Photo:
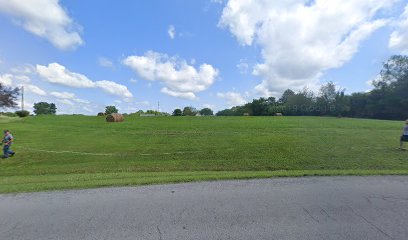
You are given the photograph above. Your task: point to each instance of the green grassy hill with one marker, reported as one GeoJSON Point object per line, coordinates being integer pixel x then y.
{"type": "Point", "coordinates": [59, 152]}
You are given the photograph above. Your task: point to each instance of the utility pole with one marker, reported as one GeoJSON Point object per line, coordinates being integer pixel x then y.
{"type": "Point", "coordinates": [22, 98]}
{"type": "Point", "coordinates": [158, 107]}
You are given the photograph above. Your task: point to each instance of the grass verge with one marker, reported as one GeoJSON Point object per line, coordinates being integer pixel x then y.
{"type": "Point", "coordinates": [14, 184]}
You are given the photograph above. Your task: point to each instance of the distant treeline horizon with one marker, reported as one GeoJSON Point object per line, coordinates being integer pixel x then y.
{"type": "Point", "coordinates": [388, 100]}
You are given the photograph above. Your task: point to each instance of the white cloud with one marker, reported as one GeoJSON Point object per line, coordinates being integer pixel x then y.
{"type": "Point", "coordinates": [68, 98]}
{"type": "Point", "coordinates": [63, 95]}
{"type": "Point", "coordinates": [104, 62]}
{"type": "Point", "coordinates": [34, 89]}
{"type": "Point", "coordinates": [6, 79]}
{"type": "Point", "coordinates": [218, 1]}
{"type": "Point", "coordinates": [399, 37]}
{"type": "Point", "coordinates": [56, 73]}
{"type": "Point", "coordinates": [180, 79]}
{"type": "Point", "coordinates": [26, 69]}
{"type": "Point", "coordinates": [185, 95]}
{"type": "Point", "coordinates": [65, 101]}
{"type": "Point", "coordinates": [46, 19]}
{"type": "Point", "coordinates": [83, 101]}
{"type": "Point", "coordinates": [211, 106]}
{"type": "Point", "coordinates": [114, 88]}
{"type": "Point", "coordinates": [11, 80]}
{"type": "Point", "coordinates": [171, 31]}
{"type": "Point", "coordinates": [243, 66]}
{"type": "Point", "coordinates": [143, 103]}
{"type": "Point", "coordinates": [232, 98]}
{"type": "Point", "coordinates": [301, 39]}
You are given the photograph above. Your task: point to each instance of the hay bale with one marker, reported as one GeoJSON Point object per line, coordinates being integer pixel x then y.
{"type": "Point", "coordinates": [278, 114]}
{"type": "Point", "coordinates": [115, 117]}
{"type": "Point", "coordinates": [101, 114]}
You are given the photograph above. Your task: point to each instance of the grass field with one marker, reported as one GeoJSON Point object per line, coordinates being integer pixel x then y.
{"type": "Point", "coordinates": [63, 152]}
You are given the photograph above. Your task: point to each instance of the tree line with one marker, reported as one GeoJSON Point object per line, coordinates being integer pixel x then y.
{"type": "Point", "coordinates": [388, 99]}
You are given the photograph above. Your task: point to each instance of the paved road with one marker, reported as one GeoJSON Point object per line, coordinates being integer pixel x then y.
{"type": "Point", "coordinates": [290, 208]}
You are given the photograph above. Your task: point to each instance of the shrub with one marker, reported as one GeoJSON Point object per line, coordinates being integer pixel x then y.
{"type": "Point", "coordinates": [23, 113]}
{"type": "Point", "coordinates": [8, 114]}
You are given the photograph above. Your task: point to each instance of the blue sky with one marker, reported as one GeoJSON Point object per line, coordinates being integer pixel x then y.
{"type": "Point", "coordinates": [84, 55]}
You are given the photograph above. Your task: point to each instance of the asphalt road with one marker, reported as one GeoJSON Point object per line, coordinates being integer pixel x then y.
{"type": "Point", "coordinates": [285, 208]}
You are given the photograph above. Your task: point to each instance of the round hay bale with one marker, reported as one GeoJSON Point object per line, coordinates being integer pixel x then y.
{"type": "Point", "coordinates": [101, 114]}
{"type": "Point", "coordinates": [115, 117]}
{"type": "Point", "coordinates": [278, 114]}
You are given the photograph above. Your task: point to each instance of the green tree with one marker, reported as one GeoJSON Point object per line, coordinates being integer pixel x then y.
{"type": "Point", "coordinates": [8, 96]}
{"type": "Point", "coordinates": [189, 111]}
{"type": "Point", "coordinates": [206, 112]}
{"type": "Point", "coordinates": [286, 94]}
{"type": "Point", "coordinates": [44, 108]}
{"type": "Point", "coordinates": [389, 99]}
{"type": "Point", "coordinates": [177, 112]}
{"type": "Point", "coordinates": [110, 110]}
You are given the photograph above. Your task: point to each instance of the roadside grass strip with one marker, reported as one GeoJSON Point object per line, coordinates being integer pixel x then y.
{"type": "Point", "coordinates": [14, 184]}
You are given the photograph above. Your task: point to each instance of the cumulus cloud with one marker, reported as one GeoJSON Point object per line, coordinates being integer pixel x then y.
{"type": "Point", "coordinates": [232, 98]}
{"type": "Point", "coordinates": [114, 88]}
{"type": "Point", "coordinates": [46, 19]}
{"type": "Point", "coordinates": [11, 80]}
{"type": "Point", "coordinates": [56, 73]}
{"type": "Point", "coordinates": [300, 39]}
{"type": "Point", "coordinates": [172, 32]}
{"type": "Point", "coordinates": [179, 78]}
{"type": "Point", "coordinates": [399, 37]}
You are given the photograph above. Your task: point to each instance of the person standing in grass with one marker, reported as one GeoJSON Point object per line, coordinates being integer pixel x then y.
{"type": "Point", "coordinates": [404, 136]}
{"type": "Point", "coordinates": [7, 141]}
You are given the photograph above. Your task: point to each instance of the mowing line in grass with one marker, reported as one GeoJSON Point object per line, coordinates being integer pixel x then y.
{"type": "Point", "coordinates": [105, 154]}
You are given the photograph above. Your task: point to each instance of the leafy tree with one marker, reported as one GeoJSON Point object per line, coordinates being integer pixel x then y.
{"type": "Point", "coordinates": [177, 112]}
{"type": "Point", "coordinates": [8, 96]}
{"type": "Point", "coordinates": [206, 112]}
{"type": "Point", "coordinates": [328, 93]}
{"type": "Point", "coordinates": [358, 105]}
{"type": "Point", "coordinates": [286, 94]}
{"type": "Point", "coordinates": [227, 112]}
{"type": "Point", "coordinates": [189, 111]}
{"type": "Point", "coordinates": [301, 103]}
{"type": "Point", "coordinates": [390, 95]}
{"type": "Point", "coordinates": [44, 108]}
{"type": "Point", "coordinates": [110, 110]}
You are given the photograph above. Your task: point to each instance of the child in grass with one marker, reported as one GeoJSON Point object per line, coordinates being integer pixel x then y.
{"type": "Point", "coordinates": [404, 136]}
{"type": "Point", "coordinates": [7, 141]}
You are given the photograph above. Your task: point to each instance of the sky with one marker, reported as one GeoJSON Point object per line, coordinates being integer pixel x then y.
{"type": "Point", "coordinates": [167, 54]}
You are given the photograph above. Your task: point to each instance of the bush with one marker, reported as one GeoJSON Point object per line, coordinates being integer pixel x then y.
{"type": "Point", "coordinates": [8, 114]}
{"type": "Point", "coordinates": [23, 113]}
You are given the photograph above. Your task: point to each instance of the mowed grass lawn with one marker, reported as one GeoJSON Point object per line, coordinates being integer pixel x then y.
{"type": "Point", "coordinates": [90, 152]}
